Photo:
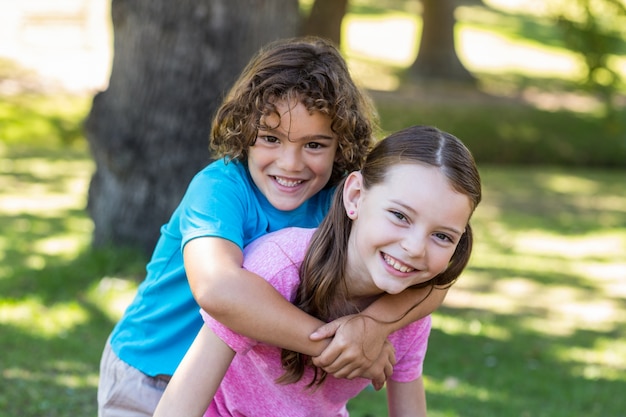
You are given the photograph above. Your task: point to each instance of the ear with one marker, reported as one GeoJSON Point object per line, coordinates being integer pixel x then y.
{"type": "Point", "coordinates": [352, 193]}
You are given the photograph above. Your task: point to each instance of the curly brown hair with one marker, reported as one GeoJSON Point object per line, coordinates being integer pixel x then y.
{"type": "Point", "coordinates": [312, 71]}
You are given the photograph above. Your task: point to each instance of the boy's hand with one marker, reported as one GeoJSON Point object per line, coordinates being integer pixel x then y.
{"type": "Point", "coordinates": [359, 348]}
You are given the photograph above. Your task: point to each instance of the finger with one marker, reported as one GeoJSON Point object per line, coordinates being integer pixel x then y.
{"type": "Point", "coordinates": [326, 331]}
{"type": "Point", "coordinates": [378, 384]}
{"type": "Point", "coordinates": [326, 358]}
{"type": "Point", "coordinates": [363, 373]}
{"type": "Point", "coordinates": [388, 371]}
{"type": "Point", "coordinates": [347, 372]}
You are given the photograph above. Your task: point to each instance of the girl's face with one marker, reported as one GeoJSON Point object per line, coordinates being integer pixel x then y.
{"type": "Point", "coordinates": [405, 229]}
{"type": "Point", "coordinates": [292, 161]}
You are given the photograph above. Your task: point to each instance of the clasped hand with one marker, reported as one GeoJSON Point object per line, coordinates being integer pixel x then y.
{"type": "Point", "coordinates": [359, 348]}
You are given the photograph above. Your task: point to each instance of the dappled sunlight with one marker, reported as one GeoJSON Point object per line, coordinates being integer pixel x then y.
{"type": "Point", "coordinates": [455, 387]}
{"type": "Point", "coordinates": [112, 295]}
{"type": "Point", "coordinates": [31, 316]}
{"type": "Point", "coordinates": [68, 374]}
{"type": "Point", "coordinates": [567, 306]}
{"type": "Point", "coordinates": [66, 245]}
{"type": "Point", "coordinates": [588, 192]}
{"type": "Point", "coordinates": [571, 184]}
{"type": "Point", "coordinates": [74, 374]}
{"type": "Point", "coordinates": [44, 205]}
{"type": "Point", "coordinates": [390, 38]}
{"type": "Point", "coordinates": [35, 262]}
{"type": "Point", "coordinates": [537, 7]}
{"type": "Point", "coordinates": [41, 194]}
{"type": "Point", "coordinates": [42, 186]}
{"type": "Point", "coordinates": [486, 51]}
{"type": "Point", "coordinates": [46, 242]}
{"type": "Point", "coordinates": [605, 358]}
{"type": "Point", "coordinates": [376, 46]}
{"type": "Point", "coordinates": [460, 326]}
{"type": "Point", "coordinates": [613, 277]}
{"type": "Point", "coordinates": [572, 101]}
{"type": "Point", "coordinates": [605, 246]}
{"type": "Point", "coordinates": [374, 75]}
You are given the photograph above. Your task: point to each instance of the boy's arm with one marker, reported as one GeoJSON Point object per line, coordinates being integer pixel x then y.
{"type": "Point", "coordinates": [243, 301]}
{"type": "Point", "coordinates": [363, 336]}
{"type": "Point", "coordinates": [249, 305]}
{"type": "Point", "coordinates": [406, 399]}
{"type": "Point", "coordinates": [193, 385]}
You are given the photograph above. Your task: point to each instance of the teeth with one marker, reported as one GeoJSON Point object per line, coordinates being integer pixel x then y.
{"type": "Point", "coordinates": [287, 183]}
{"type": "Point", "coordinates": [397, 265]}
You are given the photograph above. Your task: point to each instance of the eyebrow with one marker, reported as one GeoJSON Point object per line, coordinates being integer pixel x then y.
{"type": "Point", "coordinates": [410, 209]}
{"type": "Point", "coordinates": [306, 138]}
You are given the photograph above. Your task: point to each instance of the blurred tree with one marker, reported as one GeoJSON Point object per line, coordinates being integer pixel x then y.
{"type": "Point", "coordinates": [148, 132]}
{"type": "Point", "coordinates": [325, 19]}
{"type": "Point", "coordinates": [595, 30]}
{"type": "Point", "coordinates": [437, 57]}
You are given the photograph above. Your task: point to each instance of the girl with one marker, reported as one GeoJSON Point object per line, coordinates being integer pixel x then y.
{"type": "Point", "coordinates": [401, 222]}
{"type": "Point", "coordinates": [293, 124]}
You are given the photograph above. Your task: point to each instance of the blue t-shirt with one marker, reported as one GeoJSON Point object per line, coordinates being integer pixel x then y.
{"type": "Point", "coordinates": [222, 201]}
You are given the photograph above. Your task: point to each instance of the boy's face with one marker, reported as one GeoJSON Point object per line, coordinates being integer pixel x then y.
{"type": "Point", "coordinates": [293, 160]}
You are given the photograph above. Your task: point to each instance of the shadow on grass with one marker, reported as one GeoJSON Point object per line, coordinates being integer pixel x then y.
{"type": "Point", "coordinates": [52, 374]}
{"type": "Point", "coordinates": [505, 132]}
{"type": "Point", "coordinates": [52, 343]}
{"type": "Point", "coordinates": [557, 200]}
{"type": "Point", "coordinates": [470, 373]}
{"type": "Point", "coordinates": [520, 374]}
{"type": "Point", "coordinates": [527, 373]}
{"type": "Point", "coordinates": [544, 31]}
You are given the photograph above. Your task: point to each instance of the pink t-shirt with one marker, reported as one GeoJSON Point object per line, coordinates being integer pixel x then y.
{"type": "Point", "coordinates": [249, 387]}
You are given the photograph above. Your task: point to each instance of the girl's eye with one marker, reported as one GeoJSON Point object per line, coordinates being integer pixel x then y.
{"type": "Point", "coordinates": [444, 237]}
{"type": "Point", "coordinates": [399, 215]}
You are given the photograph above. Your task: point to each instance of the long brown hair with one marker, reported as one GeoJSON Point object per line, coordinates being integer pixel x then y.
{"type": "Point", "coordinates": [312, 71]}
{"type": "Point", "coordinates": [322, 289]}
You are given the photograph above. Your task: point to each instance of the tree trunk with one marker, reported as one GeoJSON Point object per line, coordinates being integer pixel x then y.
{"type": "Point", "coordinates": [325, 20]}
{"type": "Point", "coordinates": [148, 132]}
{"type": "Point", "coordinates": [437, 56]}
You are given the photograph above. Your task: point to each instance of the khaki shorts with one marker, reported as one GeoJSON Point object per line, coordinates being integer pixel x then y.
{"type": "Point", "coordinates": [124, 391]}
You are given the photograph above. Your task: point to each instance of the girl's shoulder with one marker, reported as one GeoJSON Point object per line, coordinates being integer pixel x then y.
{"type": "Point", "coordinates": [291, 242]}
{"type": "Point", "coordinates": [278, 253]}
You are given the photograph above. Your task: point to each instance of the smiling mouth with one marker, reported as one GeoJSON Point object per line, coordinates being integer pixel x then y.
{"type": "Point", "coordinates": [397, 265]}
{"type": "Point", "coordinates": [286, 182]}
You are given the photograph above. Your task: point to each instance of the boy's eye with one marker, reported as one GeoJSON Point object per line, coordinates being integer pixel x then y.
{"type": "Point", "coordinates": [270, 139]}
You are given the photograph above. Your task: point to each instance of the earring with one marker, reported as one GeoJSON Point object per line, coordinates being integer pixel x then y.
{"type": "Point", "coordinates": [351, 213]}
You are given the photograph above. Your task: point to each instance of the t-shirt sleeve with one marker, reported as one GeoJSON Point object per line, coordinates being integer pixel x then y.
{"type": "Point", "coordinates": [215, 204]}
{"type": "Point", "coordinates": [411, 342]}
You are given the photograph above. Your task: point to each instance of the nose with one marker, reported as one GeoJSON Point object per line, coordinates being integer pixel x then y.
{"type": "Point", "coordinates": [414, 244]}
{"type": "Point", "coordinates": [290, 159]}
